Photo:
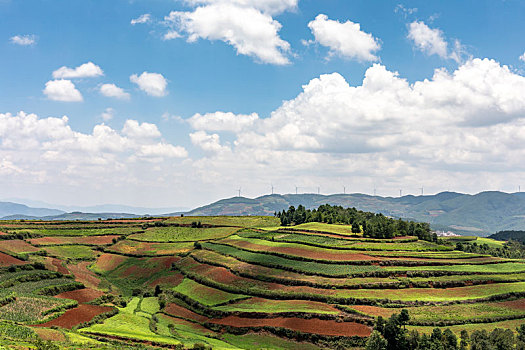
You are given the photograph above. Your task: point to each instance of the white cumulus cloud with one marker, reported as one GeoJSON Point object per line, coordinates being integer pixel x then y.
{"type": "Point", "coordinates": [272, 7]}
{"type": "Point", "coordinates": [249, 30]}
{"type": "Point", "coordinates": [145, 18]}
{"type": "Point", "coordinates": [133, 129]}
{"type": "Point", "coordinates": [344, 39]}
{"type": "Point", "coordinates": [463, 128]}
{"type": "Point", "coordinates": [221, 121]}
{"type": "Point", "coordinates": [62, 90]}
{"type": "Point", "coordinates": [112, 90]}
{"type": "Point", "coordinates": [431, 41]}
{"type": "Point", "coordinates": [24, 40]}
{"type": "Point", "coordinates": [522, 57]}
{"type": "Point", "coordinates": [86, 70]}
{"type": "Point", "coordinates": [153, 84]}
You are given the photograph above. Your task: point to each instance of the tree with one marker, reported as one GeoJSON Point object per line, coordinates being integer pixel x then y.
{"type": "Point", "coordinates": [502, 339]}
{"type": "Point", "coordinates": [376, 342]}
{"type": "Point", "coordinates": [356, 228]}
{"type": "Point", "coordinates": [436, 339]}
{"type": "Point", "coordinates": [479, 340]}
{"type": "Point", "coordinates": [450, 340]}
{"type": "Point", "coordinates": [464, 340]}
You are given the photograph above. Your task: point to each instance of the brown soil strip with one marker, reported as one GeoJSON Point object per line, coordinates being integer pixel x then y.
{"type": "Point", "coordinates": [8, 260]}
{"type": "Point", "coordinates": [179, 311]}
{"type": "Point", "coordinates": [81, 295]}
{"type": "Point", "coordinates": [78, 315]}
{"type": "Point", "coordinates": [315, 326]}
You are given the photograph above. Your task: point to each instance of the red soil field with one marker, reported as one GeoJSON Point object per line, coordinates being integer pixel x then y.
{"type": "Point", "coordinates": [151, 266]}
{"type": "Point", "coordinates": [306, 252]}
{"type": "Point", "coordinates": [17, 246]}
{"type": "Point", "coordinates": [2, 233]}
{"type": "Point", "coordinates": [83, 274]}
{"type": "Point", "coordinates": [171, 280]}
{"type": "Point", "coordinates": [374, 310]}
{"type": "Point", "coordinates": [86, 240]}
{"type": "Point", "coordinates": [222, 275]}
{"type": "Point", "coordinates": [81, 295]}
{"type": "Point", "coordinates": [514, 304]}
{"type": "Point", "coordinates": [324, 327]}
{"type": "Point", "coordinates": [57, 263]}
{"type": "Point", "coordinates": [108, 262]}
{"type": "Point", "coordinates": [8, 260]}
{"type": "Point", "coordinates": [73, 317]}
{"type": "Point", "coordinates": [179, 311]}
{"type": "Point", "coordinates": [132, 221]}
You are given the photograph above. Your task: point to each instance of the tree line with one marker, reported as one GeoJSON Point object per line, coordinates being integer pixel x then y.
{"type": "Point", "coordinates": [369, 224]}
{"type": "Point", "coordinates": [391, 334]}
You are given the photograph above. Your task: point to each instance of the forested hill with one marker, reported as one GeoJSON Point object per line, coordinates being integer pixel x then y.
{"type": "Point", "coordinates": [509, 235]}
{"type": "Point", "coordinates": [481, 214]}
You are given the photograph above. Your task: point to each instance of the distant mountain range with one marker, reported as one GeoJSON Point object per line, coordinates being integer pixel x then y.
{"type": "Point", "coordinates": [480, 214]}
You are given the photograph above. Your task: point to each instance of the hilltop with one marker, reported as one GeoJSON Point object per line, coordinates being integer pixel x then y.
{"type": "Point", "coordinates": [480, 214]}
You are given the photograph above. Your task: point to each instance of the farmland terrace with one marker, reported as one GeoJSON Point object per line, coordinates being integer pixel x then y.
{"type": "Point", "coordinates": [239, 283]}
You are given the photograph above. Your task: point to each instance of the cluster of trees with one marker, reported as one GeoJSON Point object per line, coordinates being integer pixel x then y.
{"type": "Point", "coordinates": [392, 334]}
{"type": "Point", "coordinates": [370, 224]}
{"type": "Point", "coordinates": [511, 249]}
{"type": "Point", "coordinates": [509, 235]}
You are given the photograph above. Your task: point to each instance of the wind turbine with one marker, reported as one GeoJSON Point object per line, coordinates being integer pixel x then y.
{"type": "Point", "coordinates": [318, 189]}
{"type": "Point", "coordinates": [272, 188]}
{"type": "Point", "coordinates": [344, 189]}
{"type": "Point", "coordinates": [422, 190]}
{"type": "Point", "coordinates": [400, 193]}
{"type": "Point", "coordinates": [239, 190]}
{"type": "Point", "coordinates": [296, 189]}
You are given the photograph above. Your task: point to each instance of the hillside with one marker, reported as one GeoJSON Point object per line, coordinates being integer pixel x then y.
{"type": "Point", "coordinates": [9, 208]}
{"type": "Point", "coordinates": [480, 214]}
{"type": "Point", "coordinates": [239, 283]}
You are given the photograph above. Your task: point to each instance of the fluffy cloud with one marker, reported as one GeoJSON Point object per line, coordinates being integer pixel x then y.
{"type": "Point", "coordinates": [86, 70]}
{"type": "Point", "coordinates": [24, 40]}
{"type": "Point", "coordinates": [522, 57]}
{"type": "Point", "coordinates": [208, 143]}
{"type": "Point", "coordinates": [153, 84]}
{"type": "Point", "coordinates": [48, 150]}
{"type": "Point", "coordinates": [430, 41]}
{"type": "Point", "coordinates": [272, 7]}
{"type": "Point", "coordinates": [221, 121]}
{"type": "Point", "coordinates": [145, 18]}
{"type": "Point", "coordinates": [62, 90]}
{"type": "Point", "coordinates": [112, 90]}
{"type": "Point", "coordinates": [344, 39]}
{"type": "Point", "coordinates": [241, 24]}
{"type": "Point", "coordinates": [133, 129]}
{"type": "Point", "coordinates": [108, 114]}
{"type": "Point", "coordinates": [162, 150]}
{"type": "Point", "coordinates": [462, 129]}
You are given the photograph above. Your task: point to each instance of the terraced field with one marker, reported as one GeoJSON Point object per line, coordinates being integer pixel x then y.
{"type": "Point", "coordinates": [238, 282]}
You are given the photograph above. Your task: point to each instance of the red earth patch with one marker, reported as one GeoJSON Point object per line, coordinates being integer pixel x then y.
{"type": "Point", "coordinates": [8, 260]}
{"type": "Point", "coordinates": [179, 311]}
{"type": "Point", "coordinates": [81, 295]}
{"type": "Point", "coordinates": [316, 326]}
{"type": "Point", "coordinates": [76, 316]}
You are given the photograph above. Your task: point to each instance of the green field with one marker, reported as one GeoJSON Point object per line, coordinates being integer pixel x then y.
{"type": "Point", "coordinates": [182, 234]}
{"type": "Point", "coordinates": [313, 268]}
{"type": "Point", "coordinates": [241, 283]}
{"type": "Point", "coordinates": [205, 295]}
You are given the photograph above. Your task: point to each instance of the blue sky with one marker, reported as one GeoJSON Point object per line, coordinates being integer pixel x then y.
{"type": "Point", "coordinates": [268, 65]}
